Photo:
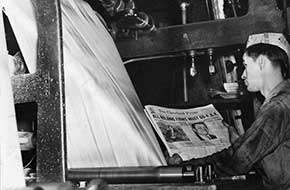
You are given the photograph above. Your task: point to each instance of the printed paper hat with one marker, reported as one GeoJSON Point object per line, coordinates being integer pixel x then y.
{"type": "Point", "coordinates": [277, 39]}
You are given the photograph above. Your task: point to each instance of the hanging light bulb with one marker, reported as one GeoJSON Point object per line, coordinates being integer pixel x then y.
{"type": "Point", "coordinates": [211, 67]}
{"type": "Point", "coordinates": [192, 70]}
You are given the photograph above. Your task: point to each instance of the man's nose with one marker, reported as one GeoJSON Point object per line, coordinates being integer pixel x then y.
{"type": "Point", "coordinates": [244, 75]}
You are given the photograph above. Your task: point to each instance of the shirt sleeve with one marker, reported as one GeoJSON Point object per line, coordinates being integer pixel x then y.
{"type": "Point", "coordinates": [260, 139]}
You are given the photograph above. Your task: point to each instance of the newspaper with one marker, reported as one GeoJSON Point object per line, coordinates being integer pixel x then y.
{"type": "Point", "coordinates": [192, 133]}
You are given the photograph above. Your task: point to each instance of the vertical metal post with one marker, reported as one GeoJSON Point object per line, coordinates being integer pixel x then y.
{"type": "Point", "coordinates": [183, 6]}
{"type": "Point", "coordinates": [51, 136]}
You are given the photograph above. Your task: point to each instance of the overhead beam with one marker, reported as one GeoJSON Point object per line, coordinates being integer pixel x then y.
{"type": "Point", "coordinates": [262, 16]}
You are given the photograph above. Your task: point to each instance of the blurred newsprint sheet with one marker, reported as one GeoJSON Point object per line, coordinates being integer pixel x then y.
{"type": "Point", "coordinates": [192, 133]}
{"type": "Point", "coordinates": [105, 122]}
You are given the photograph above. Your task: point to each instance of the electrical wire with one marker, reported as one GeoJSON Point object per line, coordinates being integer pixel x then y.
{"type": "Point", "coordinates": [208, 9]}
{"type": "Point", "coordinates": [153, 57]}
{"type": "Point", "coordinates": [233, 5]}
{"type": "Point", "coordinates": [30, 161]}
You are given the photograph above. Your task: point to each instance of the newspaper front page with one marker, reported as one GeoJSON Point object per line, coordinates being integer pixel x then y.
{"type": "Point", "coordinates": [192, 133]}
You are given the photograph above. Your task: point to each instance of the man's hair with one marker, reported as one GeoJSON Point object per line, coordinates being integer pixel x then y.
{"type": "Point", "coordinates": [276, 55]}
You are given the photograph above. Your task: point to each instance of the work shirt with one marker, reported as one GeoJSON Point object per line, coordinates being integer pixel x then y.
{"type": "Point", "coordinates": [264, 146]}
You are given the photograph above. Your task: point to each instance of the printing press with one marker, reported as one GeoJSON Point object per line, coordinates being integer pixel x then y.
{"type": "Point", "coordinates": [177, 54]}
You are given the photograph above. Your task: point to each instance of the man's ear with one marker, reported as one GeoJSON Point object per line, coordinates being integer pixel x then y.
{"type": "Point", "coordinates": [262, 61]}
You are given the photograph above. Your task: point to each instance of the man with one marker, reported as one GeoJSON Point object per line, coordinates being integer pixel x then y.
{"type": "Point", "coordinates": [202, 131]}
{"type": "Point", "coordinates": [265, 146]}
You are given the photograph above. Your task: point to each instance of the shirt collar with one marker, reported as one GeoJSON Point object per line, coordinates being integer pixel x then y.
{"type": "Point", "coordinates": [285, 84]}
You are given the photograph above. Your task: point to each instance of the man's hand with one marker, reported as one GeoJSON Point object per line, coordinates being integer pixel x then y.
{"type": "Point", "coordinates": [175, 159]}
{"type": "Point", "coordinates": [233, 134]}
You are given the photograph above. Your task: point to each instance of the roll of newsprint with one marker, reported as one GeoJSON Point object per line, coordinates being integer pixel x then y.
{"type": "Point", "coordinates": [106, 124]}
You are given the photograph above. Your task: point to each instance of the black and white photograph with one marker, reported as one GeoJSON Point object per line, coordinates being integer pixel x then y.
{"type": "Point", "coordinates": [145, 94]}
{"type": "Point", "coordinates": [173, 133]}
{"type": "Point", "coordinates": [201, 130]}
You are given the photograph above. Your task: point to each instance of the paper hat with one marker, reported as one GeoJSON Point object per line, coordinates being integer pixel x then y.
{"type": "Point", "coordinates": [276, 39]}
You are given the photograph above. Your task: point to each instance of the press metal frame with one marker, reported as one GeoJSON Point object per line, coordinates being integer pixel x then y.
{"type": "Point", "coordinates": [46, 88]}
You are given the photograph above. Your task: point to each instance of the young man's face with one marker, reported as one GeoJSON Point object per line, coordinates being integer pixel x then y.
{"type": "Point", "coordinates": [252, 73]}
{"type": "Point", "coordinates": [201, 128]}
